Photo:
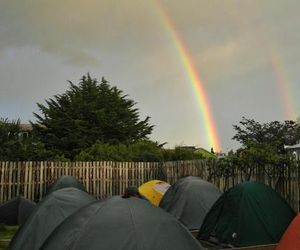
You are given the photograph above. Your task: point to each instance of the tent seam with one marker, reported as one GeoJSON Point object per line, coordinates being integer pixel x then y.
{"type": "Point", "coordinates": [134, 227]}
{"type": "Point", "coordinates": [85, 225]}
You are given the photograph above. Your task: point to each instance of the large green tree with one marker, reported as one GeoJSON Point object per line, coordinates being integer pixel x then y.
{"type": "Point", "coordinates": [87, 113]}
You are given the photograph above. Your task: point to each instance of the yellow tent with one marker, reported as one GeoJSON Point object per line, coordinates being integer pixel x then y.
{"type": "Point", "coordinates": [154, 190]}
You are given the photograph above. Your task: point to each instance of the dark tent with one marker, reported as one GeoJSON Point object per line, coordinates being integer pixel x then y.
{"type": "Point", "coordinates": [189, 200]}
{"type": "Point", "coordinates": [122, 224]}
{"type": "Point", "coordinates": [64, 182]}
{"type": "Point", "coordinates": [15, 211]}
{"type": "Point", "coordinates": [248, 214]}
{"type": "Point", "coordinates": [47, 215]}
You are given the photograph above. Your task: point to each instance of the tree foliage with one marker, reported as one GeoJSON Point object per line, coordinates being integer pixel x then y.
{"type": "Point", "coordinates": [19, 145]}
{"type": "Point", "coordinates": [140, 151]}
{"type": "Point", "coordinates": [263, 145]}
{"type": "Point", "coordinates": [275, 134]}
{"type": "Point", "coordinates": [181, 154]}
{"type": "Point", "coordinates": [87, 113]}
{"type": "Point", "coordinates": [9, 141]}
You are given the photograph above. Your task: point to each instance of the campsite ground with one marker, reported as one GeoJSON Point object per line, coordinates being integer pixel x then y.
{"type": "Point", "coordinates": [6, 233]}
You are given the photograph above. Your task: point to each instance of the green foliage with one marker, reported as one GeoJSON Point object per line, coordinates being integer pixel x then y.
{"type": "Point", "coordinates": [224, 167]}
{"type": "Point", "coordinates": [10, 143]}
{"type": "Point", "coordinates": [18, 145]}
{"type": "Point", "coordinates": [104, 152]}
{"type": "Point", "coordinates": [6, 234]}
{"type": "Point", "coordinates": [138, 151]}
{"type": "Point", "coordinates": [146, 151]}
{"type": "Point", "coordinates": [205, 154]}
{"type": "Point", "coordinates": [251, 133]}
{"type": "Point", "coordinates": [87, 113]}
{"type": "Point", "coordinates": [180, 154]}
{"type": "Point", "coordinates": [263, 145]}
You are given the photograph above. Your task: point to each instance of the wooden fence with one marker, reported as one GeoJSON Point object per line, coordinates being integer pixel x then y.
{"type": "Point", "coordinates": [104, 179]}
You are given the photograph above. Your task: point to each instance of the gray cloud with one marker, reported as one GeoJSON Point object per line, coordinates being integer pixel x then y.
{"type": "Point", "coordinates": [71, 28]}
{"type": "Point", "coordinates": [44, 43]}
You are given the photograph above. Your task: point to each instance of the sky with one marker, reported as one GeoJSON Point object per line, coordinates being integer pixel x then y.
{"type": "Point", "coordinates": [245, 54]}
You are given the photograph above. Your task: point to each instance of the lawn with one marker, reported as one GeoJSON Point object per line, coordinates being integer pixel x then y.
{"type": "Point", "coordinates": [6, 234]}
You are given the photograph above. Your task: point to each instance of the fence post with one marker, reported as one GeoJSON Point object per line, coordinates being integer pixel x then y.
{"type": "Point", "coordinates": [41, 180]}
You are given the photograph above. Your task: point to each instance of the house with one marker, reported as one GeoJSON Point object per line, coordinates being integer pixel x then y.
{"type": "Point", "coordinates": [220, 155]}
{"type": "Point", "coordinates": [193, 148]}
{"type": "Point", "coordinates": [294, 151]}
{"type": "Point", "coordinates": [25, 127]}
{"type": "Point", "coordinates": [25, 130]}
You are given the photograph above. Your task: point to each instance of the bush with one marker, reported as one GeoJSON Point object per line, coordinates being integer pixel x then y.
{"type": "Point", "coordinates": [146, 151]}
{"type": "Point", "coordinates": [139, 151]}
{"type": "Point", "coordinates": [180, 154]}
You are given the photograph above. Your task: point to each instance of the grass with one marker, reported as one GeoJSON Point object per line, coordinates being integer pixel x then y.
{"type": "Point", "coordinates": [6, 234]}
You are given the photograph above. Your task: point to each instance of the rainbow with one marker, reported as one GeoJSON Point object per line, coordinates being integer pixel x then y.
{"type": "Point", "coordinates": [194, 78]}
{"type": "Point", "coordinates": [283, 85]}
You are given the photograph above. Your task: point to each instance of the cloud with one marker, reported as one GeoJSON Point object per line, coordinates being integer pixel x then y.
{"type": "Point", "coordinates": [240, 56]}
{"type": "Point", "coordinates": [84, 32]}
{"type": "Point", "coordinates": [45, 42]}
{"type": "Point", "coordinates": [74, 29]}
{"type": "Point", "coordinates": [72, 55]}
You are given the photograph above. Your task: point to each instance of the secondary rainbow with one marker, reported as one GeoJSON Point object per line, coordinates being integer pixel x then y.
{"type": "Point", "coordinates": [283, 86]}
{"type": "Point", "coordinates": [194, 78]}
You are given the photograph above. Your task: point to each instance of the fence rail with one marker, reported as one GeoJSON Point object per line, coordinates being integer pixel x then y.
{"type": "Point", "coordinates": [104, 179]}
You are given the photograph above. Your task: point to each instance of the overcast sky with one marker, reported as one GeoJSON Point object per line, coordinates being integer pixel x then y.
{"type": "Point", "coordinates": [45, 43]}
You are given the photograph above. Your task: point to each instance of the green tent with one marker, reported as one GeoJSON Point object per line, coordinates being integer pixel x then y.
{"type": "Point", "coordinates": [16, 211]}
{"type": "Point", "coordinates": [47, 215]}
{"type": "Point", "coordinates": [189, 200]}
{"type": "Point", "coordinates": [64, 182]}
{"type": "Point", "coordinates": [248, 214]}
{"type": "Point", "coordinates": [122, 224]}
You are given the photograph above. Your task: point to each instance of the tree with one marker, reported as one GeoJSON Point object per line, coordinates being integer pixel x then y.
{"type": "Point", "coordinates": [263, 145]}
{"type": "Point", "coordinates": [88, 113]}
{"type": "Point", "coordinates": [19, 145]}
{"type": "Point", "coordinates": [9, 141]}
{"type": "Point", "coordinates": [276, 134]}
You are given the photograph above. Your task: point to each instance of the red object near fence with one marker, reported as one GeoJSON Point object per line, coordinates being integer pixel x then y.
{"type": "Point", "coordinates": [291, 238]}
